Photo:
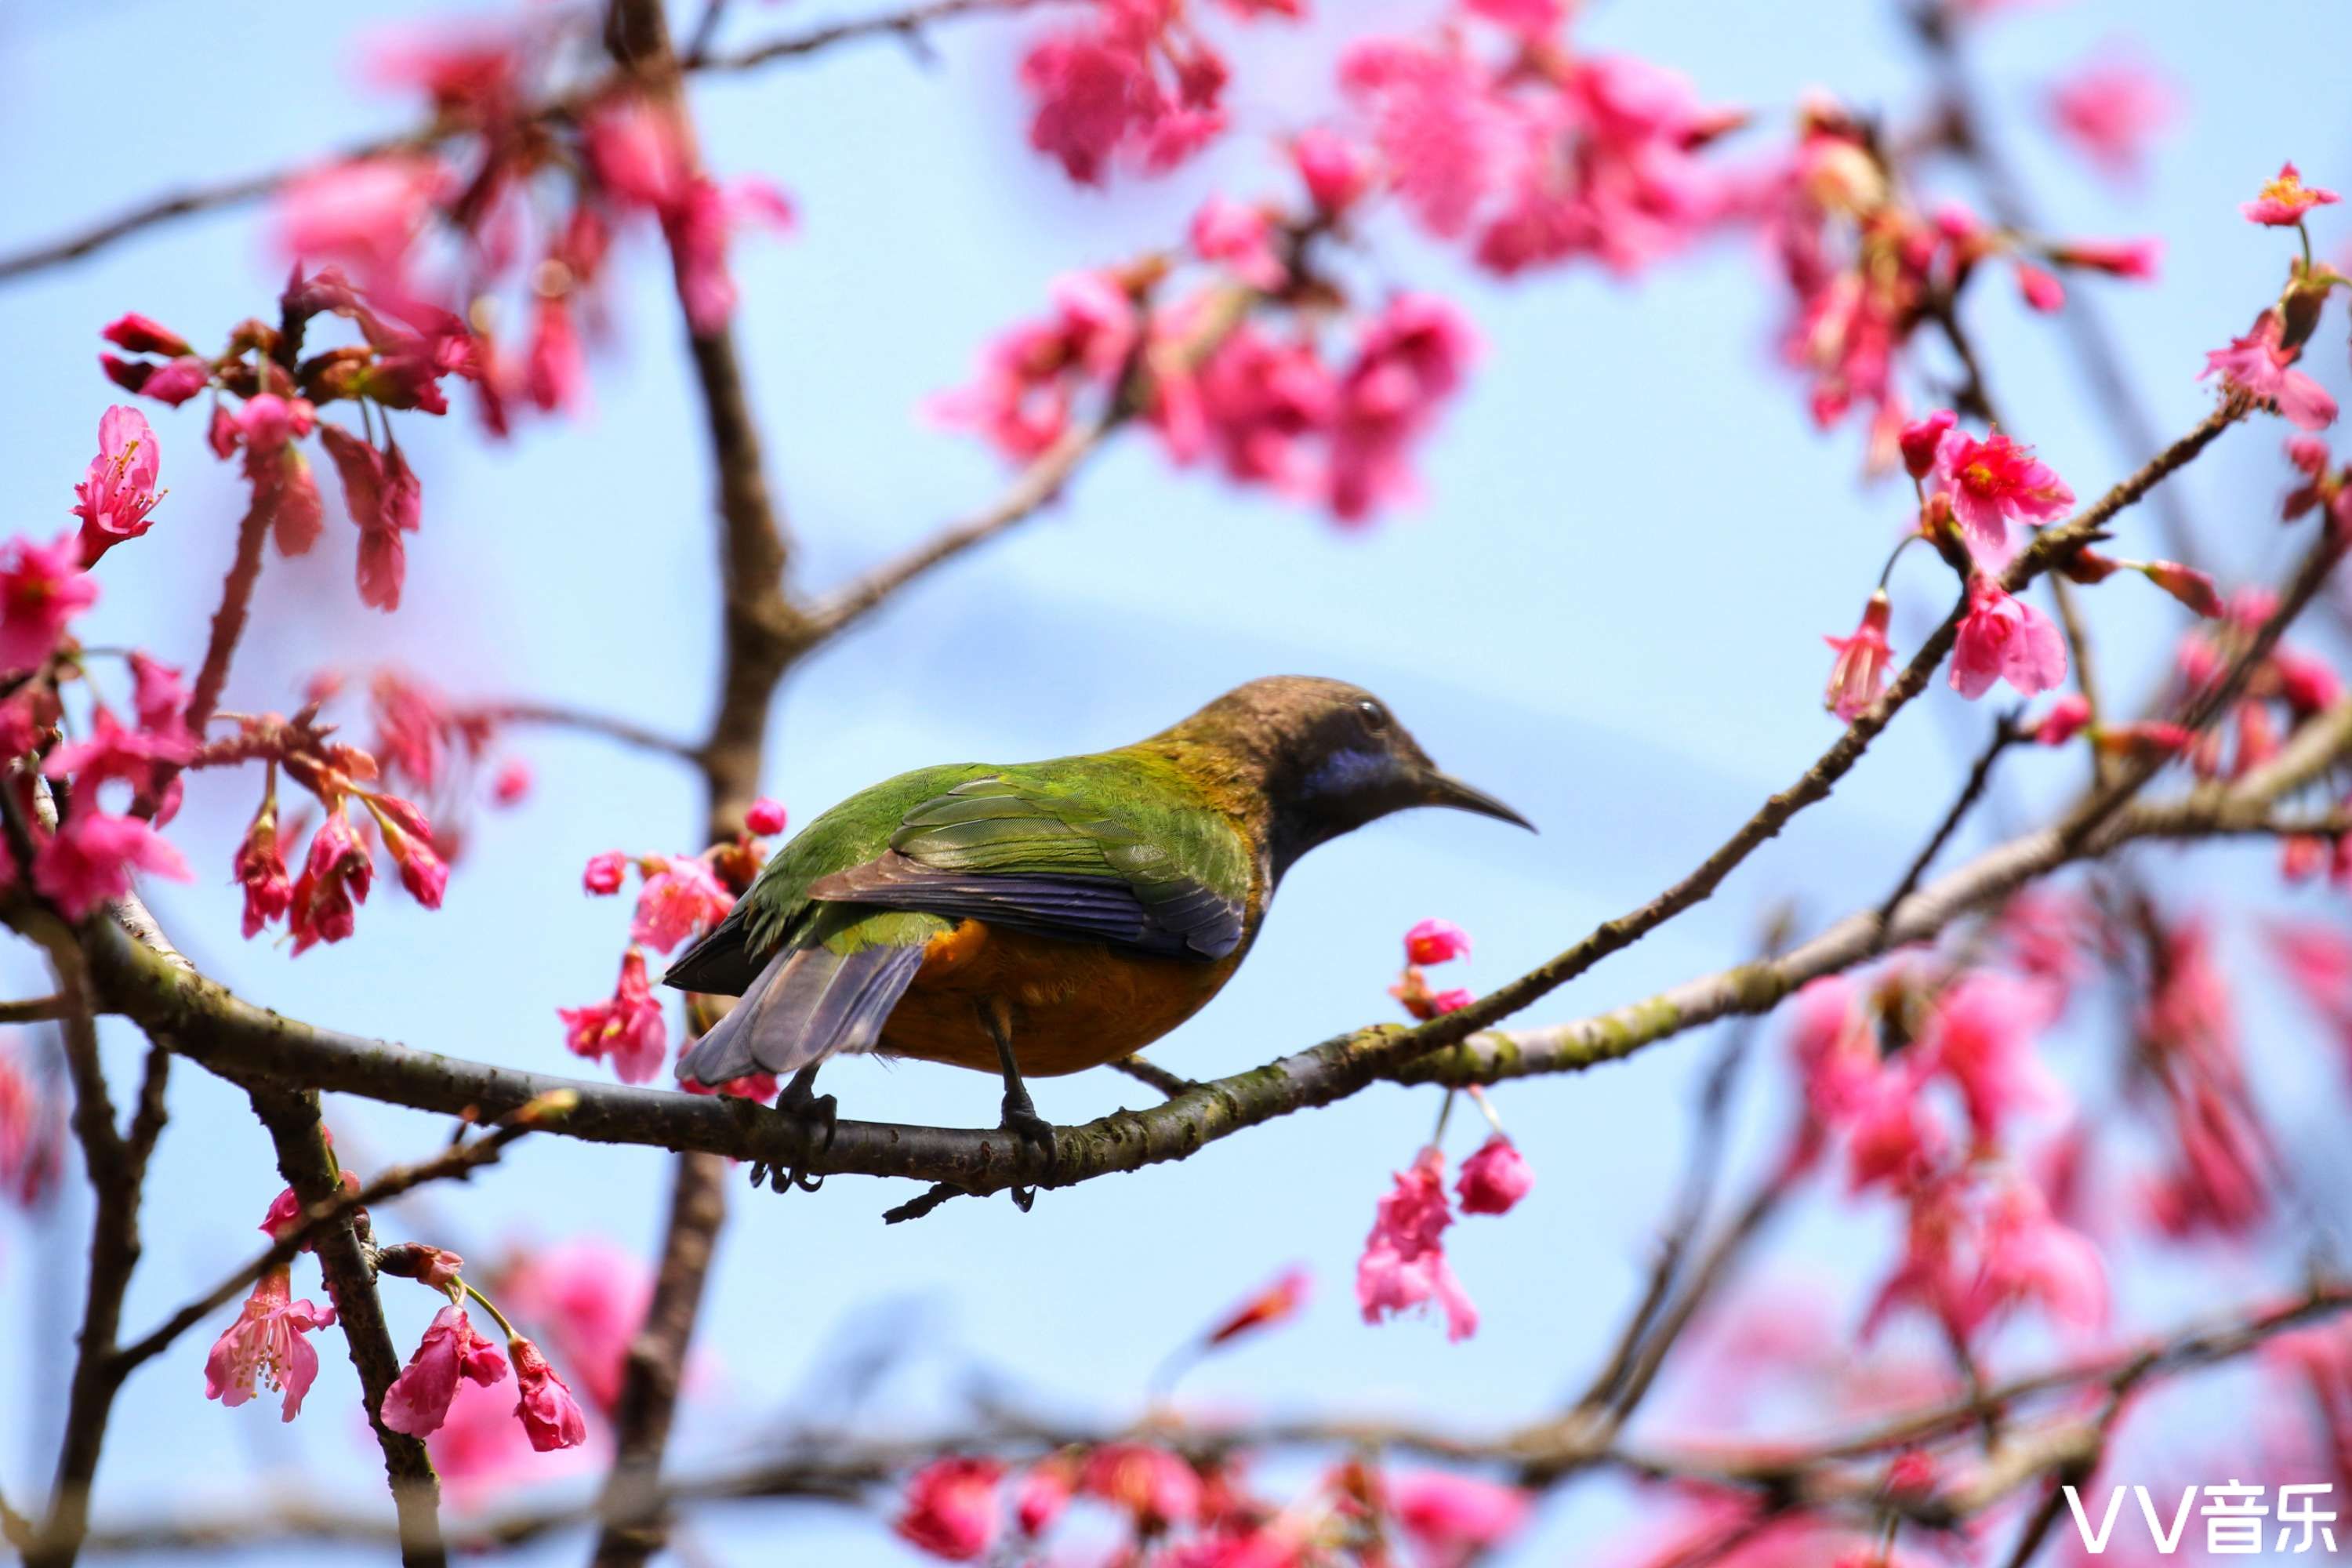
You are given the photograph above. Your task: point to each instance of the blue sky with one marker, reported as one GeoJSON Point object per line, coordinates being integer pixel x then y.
{"type": "Point", "coordinates": [1607, 612]}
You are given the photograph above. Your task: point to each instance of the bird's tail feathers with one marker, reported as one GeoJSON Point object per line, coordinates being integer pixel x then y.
{"type": "Point", "coordinates": [807, 1004]}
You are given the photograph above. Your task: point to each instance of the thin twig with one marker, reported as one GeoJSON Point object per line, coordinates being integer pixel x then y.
{"type": "Point", "coordinates": [1170, 1084]}
{"type": "Point", "coordinates": [456, 1162]}
{"type": "Point", "coordinates": [555, 716]}
{"type": "Point", "coordinates": [2005, 734]}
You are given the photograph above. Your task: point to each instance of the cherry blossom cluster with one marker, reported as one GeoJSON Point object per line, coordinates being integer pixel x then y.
{"type": "Point", "coordinates": [32, 1132]}
{"type": "Point", "coordinates": [1174, 1508]}
{"type": "Point", "coordinates": [266, 397]}
{"type": "Point", "coordinates": [512, 209]}
{"type": "Point", "coordinates": [1977, 497]}
{"type": "Point", "coordinates": [1134, 82]}
{"type": "Point", "coordinates": [1403, 1263]}
{"type": "Point", "coordinates": [1867, 267]}
{"type": "Point", "coordinates": [1922, 1077]}
{"type": "Point", "coordinates": [679, 896]}
{"type": "Point", "coordinates": [1271, 405]}
{"type": "Point", "coordinates": [320, 903]}
{"type": "Point", "coordinates": [268, 1346]}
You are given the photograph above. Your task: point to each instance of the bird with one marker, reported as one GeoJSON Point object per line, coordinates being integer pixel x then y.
{"type": "Point", "coordinates": [1043, 918]}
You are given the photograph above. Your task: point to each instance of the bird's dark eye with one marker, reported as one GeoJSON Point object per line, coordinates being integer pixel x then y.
{"type": "Point", "coordinates": [1376, 718]}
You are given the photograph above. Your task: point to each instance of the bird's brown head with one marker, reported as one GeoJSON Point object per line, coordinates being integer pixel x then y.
{"type": "Point", "coordinates": [1328, 758]}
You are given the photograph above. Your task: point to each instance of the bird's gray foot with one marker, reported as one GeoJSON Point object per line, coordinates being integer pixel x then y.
{"type": "Point", "coordinates": [800, 1101]}
{"type": "Point", "coordinates": [1020, 1118]}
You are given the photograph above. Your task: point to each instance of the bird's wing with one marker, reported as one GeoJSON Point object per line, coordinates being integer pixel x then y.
{"type": "Point", "coordinates": [1037, 855]}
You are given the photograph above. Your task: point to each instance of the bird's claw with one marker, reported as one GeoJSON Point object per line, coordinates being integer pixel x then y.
{"type": "Point", "coordinates": [799, 1103]}
{"type": "Point", "coordinates": [1023, 1122]}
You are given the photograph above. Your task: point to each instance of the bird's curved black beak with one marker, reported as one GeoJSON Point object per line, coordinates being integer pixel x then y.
{"type": "Point", "coordinates": [1444, 789]}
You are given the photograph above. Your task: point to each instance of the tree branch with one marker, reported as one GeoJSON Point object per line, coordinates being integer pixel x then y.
{"type": "Point", "coordinates": [309, 1167]}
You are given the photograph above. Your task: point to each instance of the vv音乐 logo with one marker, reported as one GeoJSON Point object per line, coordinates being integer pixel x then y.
{"type": "Point", "coordinates": [2235, 1516]}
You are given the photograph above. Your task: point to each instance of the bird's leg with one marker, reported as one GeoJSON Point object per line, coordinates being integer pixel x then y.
{"type": "Point", "coordinates": [1020, 1118]}
{"type": "Point", "coordinates": [799, 1103]}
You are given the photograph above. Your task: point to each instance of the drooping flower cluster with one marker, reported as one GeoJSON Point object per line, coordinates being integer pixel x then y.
{"type": "Point", "coordinates": [1496, 132]}
{"type": "Point", "coordinates": [513, 207]}
{"type": "Point", "coordinates": [1136, 81]}
{"type": "Point", "coordinates": [267, 1345]}
{"type": "Point", "coordinates": [279, 386]}
{"type": "Point", "coordinates": [320, 902]}
{"type": "Point", "coordinates": [1432, 942]}
{"type": "Point", "coordinates": [1922, 1077]}
{"type": "Point", "coordinates": [1270, 407]}
{"type": "Point", "coordinates": [679, 896]}
{"type": "Point", "coordinates": [1866, 266]}
{"type": "Point", "coordinates": [1175, 1507]}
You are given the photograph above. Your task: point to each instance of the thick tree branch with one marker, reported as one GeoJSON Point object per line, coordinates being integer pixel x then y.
{"type": "Point", "coordinates": [207, 1023]}
{"type": "Point", "coordinates": [117, 1172]}
{"type": "Point", "coordinates": [309, 1166]}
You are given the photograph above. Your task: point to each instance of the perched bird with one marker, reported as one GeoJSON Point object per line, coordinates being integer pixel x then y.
{"type": "Point", "coordinates": [1047, 916]}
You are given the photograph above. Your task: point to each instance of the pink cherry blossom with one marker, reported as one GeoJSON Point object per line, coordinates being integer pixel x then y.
{"type": "Point", "coordinates": [1336, 171]}
{"type": "Point", "coordinates": [32, 1133]}
{"type": "Point", "coordinates": [629, 1028]}
{"type": "Point", "coordinates": [362, 215]}
{"type": "Point", "coordinates": [1277, 1303]}
{"type": "Point", "coordinates": [1030, 377]}
{"type": "Point", "coordinates": [2282, 202]}
{"type": "Point", "coordinates": [42, 587]}
{"type": "Point", "coordinates": [1042, 1496]}
{"type": "Point", "coordinates": [1404, 1263]}
{"type": "Point", "coordinates": [2025, 1255]}
{"type": "Point", "coordinates": [418, 1400]}
{"type": "Point", "coordinates": [111, 753]}
{"type": "Point", "coordinates": [1135, 80]}
{"type": "Point", "coordinates": [511, 784]}
{"type": "Point", "coordinates": [2004, 638]}
{"type": "Point", "coordinates": [586, 1298]}
{"type": "Point", "coordinates": [2256, 365]}
{"type": "Point", "coordinates": [1240, 237]}
{"type": "Point", "coordinates": [1982, 1036]}
{"type": "Point", "coordinates": [114, 501]}
{"type": "Point", "coordinates": [1858, 677]}
{"type": "Point", "coordinates": [544, 1401]}
{"type": "Point", "coordinates": [1994, 482]}
{"type": "Point", "coordinates": [1409, 361]}
{"type": "Point", "coordinates": [140, 334]}
{"type": "Point", "coordinates": [1922, 438]}
{"type": "Point", "coordinates": [678, 901]}
{"type": "Point", "coordinates": [90, 859]}
{"type": "Point", "coordinates": [260, 871]}
{"type": "Point", "coordinates": [603, 872]}
{"type": "Point", "coordinates": [2137, 259]}
{"type": "Point", "coordinates": [1436, 941]}
{"type": "Point", "coordinates": [1261, 402]}
{"type": "Point", "coordinates": [2039, 290]}
{"type": "Point", "coordinates": [1493, 1179]}
{"type": "Point", "coordinates": [1455, 1520]}
{"type": "Point", "coordinates": [952, 1509]}
{"type": "Point", "coordinates": [1154, 1487]}
{"type": "Point", "coordinates": [2065, 720]}
{"type": "Point", "coordinates": [1445, 140]}
{"type": "Point", "coordinates": [172, 382]}
{"type": "Point", "coordinates": [157, 694]}
{"type": "Point", "coordinates": [765, 818]}
{"type": "Point", "coordinates": [267, 1346]}
{"type": "Point", "coordinates": [2110, 110]}
{"type": "Point", "coordinates": [336, 876]}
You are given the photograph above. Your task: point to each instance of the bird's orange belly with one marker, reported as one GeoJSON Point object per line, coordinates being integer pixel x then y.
{"type": "Point", "coordinates": [1072, 1004]}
